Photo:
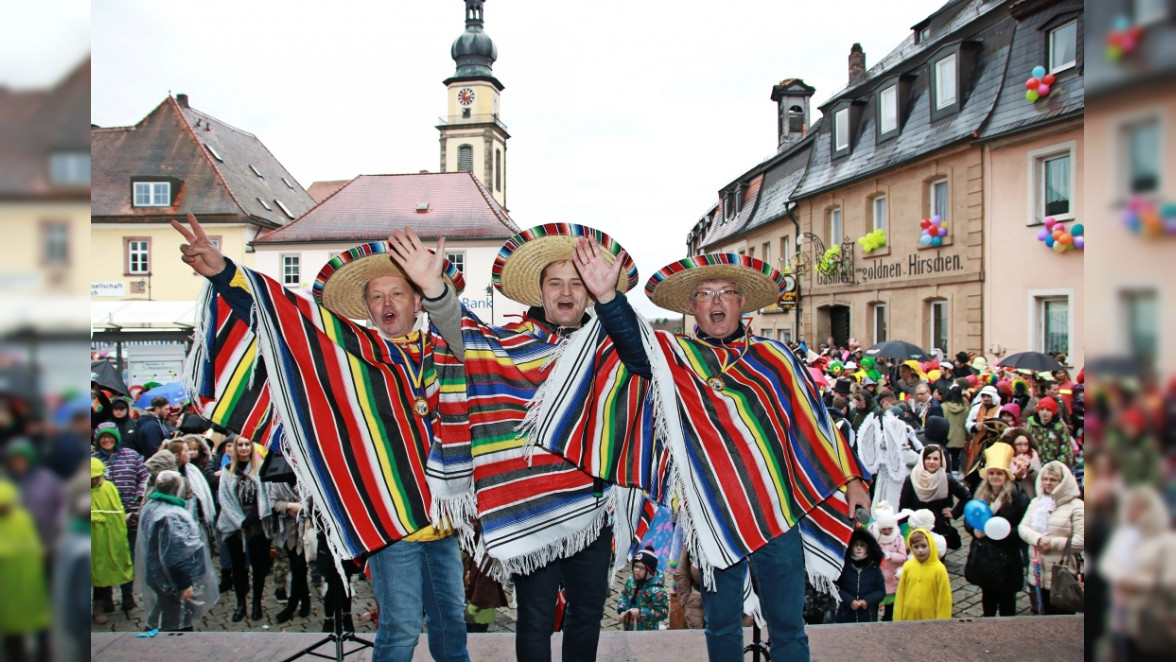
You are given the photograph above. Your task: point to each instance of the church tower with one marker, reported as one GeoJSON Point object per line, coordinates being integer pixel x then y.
{"type": "Point", "coordinates": [473, 137]}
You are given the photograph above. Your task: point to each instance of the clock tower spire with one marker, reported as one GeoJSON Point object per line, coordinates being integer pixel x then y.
{"type": "Point", "coordinates": [473, 136]}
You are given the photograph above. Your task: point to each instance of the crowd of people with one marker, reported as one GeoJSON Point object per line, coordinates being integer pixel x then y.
{"type": "Point", "coordinates": [561, 407]}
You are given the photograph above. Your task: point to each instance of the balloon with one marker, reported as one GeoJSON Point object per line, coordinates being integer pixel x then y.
{"type": "Point", "coordinates": [1077, 229]}
{"type": "Point", "coordinates": [1066, 238]}
{"type": "Point", "coordinates": [943, 224]}
{"type": "Point", "coordinates": [1049, 241]}
{"type": "Point", "coordinates": [933, 375]}
{"type": "Point", "coordinates": [1042, 234]}
{"type": "Point", "coordinates": [936, 241]}
{"type": "Point", "coordinates": [1038, 71]}
{"type": "Point", "coordinates": [925, 239]}
{"type": "Point", "coordinates": [977, 513]}
{"type": "Point", "coordinates": [1080, 243]}
{"type": "Point", "coordinates": [1043, 90]}
{"type": "Point", "coordinates": [936, 219]}
{"type": "Point", "coordinates": [1048, 79]}
{"type": "Point", "coordinates": [1121, 22]}
{"type": "Point", "coordinates": [1032, 96]}
{"type": "Point", "coordinates": [1032, 84]}
{"type": "Point", "coordinates": [942, 231]}
{"type": "Point", "coordinates": [1059, 247]}
{"type": "Point", "coordinates": [925, 223]}
{"type": "Point", "coordinates": [1050, 222]}
{"type": "Point", "coordinates": [997, 528]}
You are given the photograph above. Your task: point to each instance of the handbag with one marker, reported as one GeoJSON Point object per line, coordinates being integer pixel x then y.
{"type": "Point", "coordinates": [1066, 592]}
{"type": "Point", "coordinates": [1155, 622]}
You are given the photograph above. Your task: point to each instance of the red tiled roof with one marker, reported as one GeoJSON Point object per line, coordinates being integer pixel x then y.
{"type": "Point", "coordinates": [320, 191]}
{"type": "Point", "coordinates": [369, 207]}
{"type": "Point", "coordinates": [37, 123]}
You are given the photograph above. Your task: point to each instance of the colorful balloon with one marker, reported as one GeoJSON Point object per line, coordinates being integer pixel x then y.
{"type": "Point", "coordinates": [936, 219]}
{"type": "Point", "coordinates": [1080, 243]}
{"type": "Point", "coordinates": [1066, 238]}
{"type": "Point", "coordinates": [942, 231]}
{"type": "Point", "coordinates": [1049, 241]}
{"type": "Point", "coordinates": [1032, 96]}
{"type": "Point", "coordinates": [1048, 79]}
{"type": "Point", "coordinates": [997, 528]}
{"type": "Point", "coordinates": [977, 513]}
{"type": "Point", "coordinates": [1059, 247]}
{"type": "Point", "coordinates": [1077, 229]}
{"type": "Point", "coordinates": [1043, 90]}
{"type": "Point", "coordinates": [936, 241]}
{"type": "Point", "coordinates": [1050, 222]}
{"type": "Point", "coordinates": [1042, 234]}
{"type": "Point", "coordinates": [925, 240]}
{"type": "Point", "coordinates": [1038, 71]}
{"type": "Point", "coordinates": [1032, 84]}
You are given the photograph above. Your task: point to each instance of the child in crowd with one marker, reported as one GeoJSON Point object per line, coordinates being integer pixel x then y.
{"type": "Point", "coordinates": [861, 584]}
{"type": "Point", "coordinates": [925, 519]}
{"type": "Point", "coordinates": [924, 590]}
{"type": "Point", "coordinates": [643, 604]}
{"type": "Point", "coordinates": [894, 553]}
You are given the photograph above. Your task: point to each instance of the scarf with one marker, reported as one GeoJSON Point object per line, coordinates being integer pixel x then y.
{"type": "Point", "coordinates": [767, 417]}
{"type": "Point", "coordinates": [194, 477]}
{"type": "Point", "coordinates": [928, 486]}
{"type": "Point", "coordinates": [167, 498]}
{"type": "Point", "coordinates": [534, 506]}
{"type": "Point", "coordinates": [1045, 508]}
{"type": "Point", "coordinates": [335, 397]}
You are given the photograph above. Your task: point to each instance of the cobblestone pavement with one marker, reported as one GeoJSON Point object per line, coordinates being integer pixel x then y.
{"type": "Point", "coordinates": [966, 604]}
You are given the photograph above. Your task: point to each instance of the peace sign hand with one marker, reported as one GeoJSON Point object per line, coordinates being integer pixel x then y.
{"type": "Point", "coordinates": [199, 252]}
{"type": "Point", "coordinates": [598, 275]}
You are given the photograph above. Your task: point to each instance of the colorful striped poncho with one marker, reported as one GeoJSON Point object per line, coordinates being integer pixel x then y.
{"type": "Point", "coordinates": [535, 507]}
{"type": "Point", "coordinates": [342, 407]}
{"type": "Point", "coordinates": [747, 462]}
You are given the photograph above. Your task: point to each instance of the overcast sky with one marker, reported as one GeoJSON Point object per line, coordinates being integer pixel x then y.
{"type": "Point", "coordinates": [626, 116]}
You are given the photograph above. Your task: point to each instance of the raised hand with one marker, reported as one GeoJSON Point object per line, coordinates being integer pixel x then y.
{"type": "Point", "coordinates": [421, 265]}
{"type": "Point", "coordinates": [199, 252]}
{"type": "Point", "coordinates": [598, 275]}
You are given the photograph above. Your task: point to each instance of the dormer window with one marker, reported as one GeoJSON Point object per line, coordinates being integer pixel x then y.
{"type": "Point", "coordinates": [69, 168]}
{"type": "Point", "coordinates": [946, 88]}
{"type": "Point", "coordinates": [841, 130]}
{"type": "Point", "coordinates": [846, 120]}
{"type": "Point", "coordinates": [152, 194]}
{"type": "Point", "coordinates": [1063, 47]}
{"type": "Point", "coordinates": [888, 109]}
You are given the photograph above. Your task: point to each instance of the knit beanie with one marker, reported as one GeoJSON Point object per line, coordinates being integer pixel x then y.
{"type": "Point", "coordinates": [110, 429]}
{"type": "Point", "coordinates": [648, 558]}
{"type": "Point", "coordinates": [1048, 403]}
{"type": "Point", "coordinates": [922, 519]}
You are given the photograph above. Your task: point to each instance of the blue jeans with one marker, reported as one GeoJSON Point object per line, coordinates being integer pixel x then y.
{"type": "Point", "coordinates": [411, 579]}
{"type": "Point", "coordinates": [778, 569]}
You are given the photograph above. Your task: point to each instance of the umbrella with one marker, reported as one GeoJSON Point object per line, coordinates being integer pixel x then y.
{"type": "Point", "coordinates": [1035, 361]}
{"type": "Point", "coordinates": [175, 392]}
{"type": "Point", "coordinates": [1115, 366]}
{"type": "Point", "coordinates": [18, 382]}
{"type": "Point", "coordinates": [103, 374]}
{"type": "Point", "coordinates": [818, 376]}
{"type": "Point", "coordinates": [75, 406]}
{"type": "Point", "coordinates": [896, 349]}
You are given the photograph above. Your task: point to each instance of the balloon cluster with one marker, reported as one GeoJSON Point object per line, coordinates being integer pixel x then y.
{"type": "Point", "coordinates": [1038, 85]}
{"type": "Point", "coordinates": [1144, 216]}
{"type": "Point", "coordinates": [828, 262]}
{"type": "Point", "coordinates": [934, 231]}
{"type": "Point", "coordinates": [1056, 236]}
{"type": "Point", "coordinates": [1123, 39]}
{"type": "Point", "coordinates": [872, 240]}
{"type": "Point", "coordinates": [979, 515]}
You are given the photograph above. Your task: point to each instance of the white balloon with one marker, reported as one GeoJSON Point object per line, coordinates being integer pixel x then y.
{"type": "Point", "coordinates": [997, 528]}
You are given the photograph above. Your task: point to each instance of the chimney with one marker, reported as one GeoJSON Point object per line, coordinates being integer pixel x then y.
{"type": "Point", "coordinates": [182, 99]}
{"type": "Point", "coordinates": [857, 63]}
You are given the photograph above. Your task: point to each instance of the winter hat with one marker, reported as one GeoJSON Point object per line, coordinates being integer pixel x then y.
{"type": "Point", "coordinates": [922, 519]}
{"type": "Point", "coordinates": [884, 516]}
{"type": "Point", "coordinates": [1048, 403]}
{"type": "Point", "coordinates": [1133, 417]}
{"type": "Point", "coordinates": [110, 429]}
{"type": "Point", "coordinates": [96, 467]}
{"type": "Point", "coordinates": [648, 558]}
{"type": "Point", "coordinates": [22, 447]}
{"type": "Point", "coordinates": [935, 430]}
{"type": "Point", "coordinates": [1014, 409]}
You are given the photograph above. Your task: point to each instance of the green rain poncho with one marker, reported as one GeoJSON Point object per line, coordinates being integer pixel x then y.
{"type": "Point", "coordinates": [25, 606]}
{"type": "Point", "coordinates": [110, 552]}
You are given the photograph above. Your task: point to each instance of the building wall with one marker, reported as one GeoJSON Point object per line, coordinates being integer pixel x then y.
{"type": "Point", "coordinates": [1021, 270]}
{"type": "Point", "coordinates": [25, 272]}
{"type": "Point", "coordinates": [170, 279]}
{"type": "Point", "coordinates": [1118, 261]}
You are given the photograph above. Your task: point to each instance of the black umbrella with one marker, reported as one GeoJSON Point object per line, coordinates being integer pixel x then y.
{"type": "Point", "coordinates": [1115, 366]}
{"type": "Point", "coordinates": [1035, 361]}
{"type": "Point", "coordinates": [897, 349]}
{"type": "Point", "coordinates": [103, 374]}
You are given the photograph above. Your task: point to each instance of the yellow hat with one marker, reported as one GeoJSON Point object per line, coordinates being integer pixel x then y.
{"type": "Point", "coordinates": [96, 467]}
{"type": "Point", "coordinates": [998, 456]}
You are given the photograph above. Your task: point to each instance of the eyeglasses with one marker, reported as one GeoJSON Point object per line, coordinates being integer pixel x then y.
{"type": "Point", "coordinates": [726, 296]}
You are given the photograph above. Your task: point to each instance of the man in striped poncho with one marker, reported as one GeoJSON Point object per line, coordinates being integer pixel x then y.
{"type": "Point", "coordinates": [544, 522]}
{"type": "Point", "coordinates": [356, 409]}
{"type": "Point", "coordinates": [762, 477]}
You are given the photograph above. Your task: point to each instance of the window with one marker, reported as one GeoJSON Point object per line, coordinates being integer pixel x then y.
{"type": "Point", "coordinates": [290, 272]}
{"type": "Point", "coordinates": [1141, 318]}
{"type": "Point", "coordinates": [751, 252]}
{"type": "Point", "coordinates": [945, 81]}
{"type": "Point", "coordinates": [888, 109]}
{"type": "Point", "coordinates": [1055, 187]}
{"type": "Point", "coordinates": [1053, 325]}
{"type": "Point", "coordinates": [55, 242]}
{"type": "Point", "coordinates": [212, 150]}
{"type": "Point", "coordinates": [923, 35]}
{"type": "Point", "coordinates": [152, 194]}
{"type": "Point", "coordinates": [265, 204]}
{"type": "Point", "coordinates": [938, 196]}
{"type": "Point", "coordinates": [1063, 47]}
{"type": "Point", "coordinates": [138, 256]}
{"type": "Point", "coordinates": [937, 330]}
{"type": "Point", "coordinates": [498, 170]}
{"type": "Point", "coordinates": [835, 229]}
{"type": "Point", "coordinates": [1142, 157]}
{"type": "Point", "coordinates": [284, 208]}
{"type": "Point", "coordinates": [786, 251]}
{"type": "Point", "coordinates": [69, 168]}
{"type": "Point", "coordinates": [767, 253]}
{"type": "Point", "coordinates": [1149, 11]}
{"type": "Point", "coordinates": [457, 260]}
{"type": "Point", "coordinates": [841, 129]}
{"type": "Point", "coordinates": [465, 158]}
{"type": "Point", "coordinates": [784, 336]}
{"type": "Point", "coordinates": [880, 323]}
{"type": "Point", "coordinates": [878, 205]}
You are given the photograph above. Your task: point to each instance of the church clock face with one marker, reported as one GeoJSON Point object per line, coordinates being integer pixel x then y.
{"type": "Point", "coordinates": [465, 96]}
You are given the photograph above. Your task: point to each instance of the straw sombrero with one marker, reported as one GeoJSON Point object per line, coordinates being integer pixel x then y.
{"type": "Point", "coordinates": [524, 256]}
{"type": "Point", "coordinates": [671, 286]}
{"type": "Point", "coordinates": [339, 286]}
